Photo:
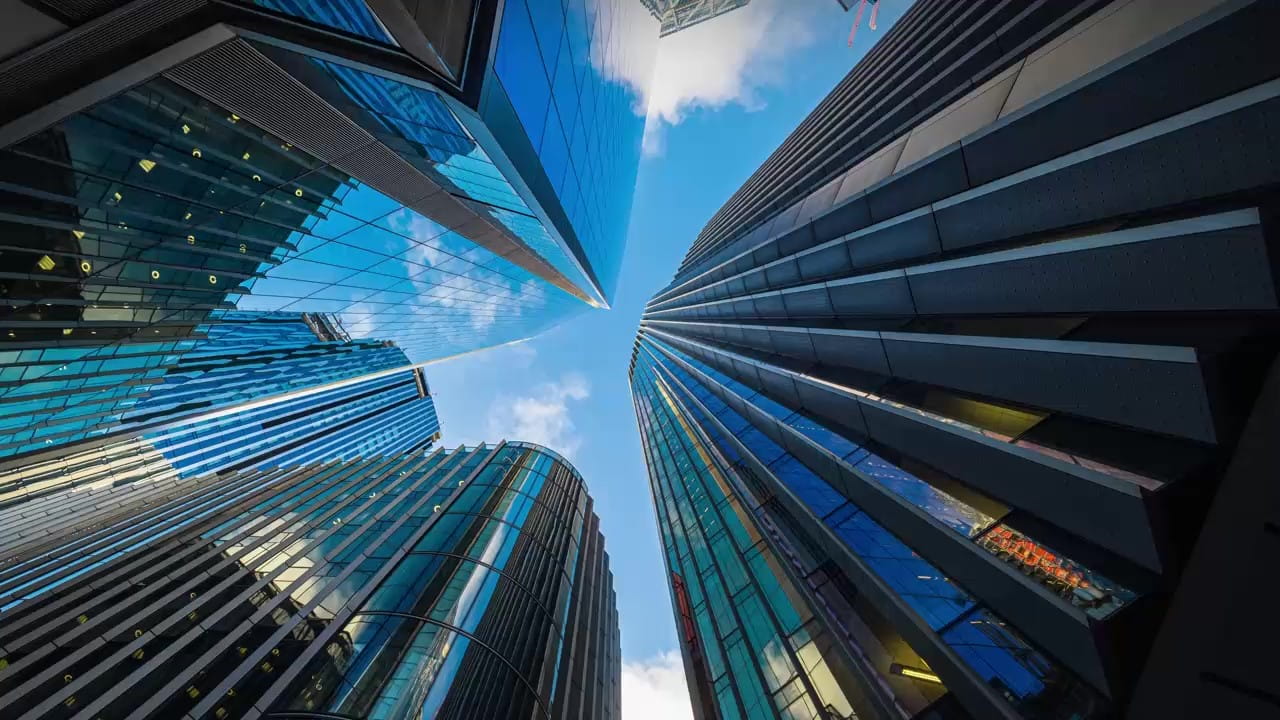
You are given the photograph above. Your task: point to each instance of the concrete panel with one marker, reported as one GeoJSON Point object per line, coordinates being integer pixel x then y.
{"type": "Point", "coordinates": [819, 201]}
{"type": "Point", "coordinates": [1111, 32]}
{"type": "Point", "coordinates": [872, 170]}
{"type": "Point", "coordinates": [969, 114]}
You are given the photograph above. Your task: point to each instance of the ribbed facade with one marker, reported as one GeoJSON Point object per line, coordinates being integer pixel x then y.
{"type": "Point", "coordinates": [470, 583]}
{"type": "Point", "coordinates": [981, 340]}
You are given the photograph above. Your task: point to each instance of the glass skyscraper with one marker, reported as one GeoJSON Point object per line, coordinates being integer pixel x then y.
{"type": "Point", "coordinates": [964, 404]}
{"type": "Point", "coordinates": [470, 583]}
{"type": "Point", "coordinates": [449, 178]}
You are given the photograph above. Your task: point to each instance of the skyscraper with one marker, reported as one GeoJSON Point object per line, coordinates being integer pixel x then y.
{"type": "Point", "coordinates": [978, 370]}
{"type": "Point", "coordinates": [448, 177]}
{"type": "Point", "coordinates": [470, 583]}
{"type": "Point", "coordinates": [676, 15]}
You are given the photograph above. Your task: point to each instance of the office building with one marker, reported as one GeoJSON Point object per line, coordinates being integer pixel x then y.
{"type": "Point", "coordinates": [467, 583]}
{"type": "Point", "coordinates": [978, 369]}
{"type": "Point", "coordinates": [450, 177]}
{"type": "Point", "coordinates": [676, 15]}
{"type": "Point", "coordinates": [55, 396]}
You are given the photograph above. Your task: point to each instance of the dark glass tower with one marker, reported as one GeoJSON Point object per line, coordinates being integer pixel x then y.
{"type": "Point", "coordinates": [448, 177]}
{"type": "Point", "coordinates": [981, 362]}
{"type": "Point", "coordinates": [470, 583]}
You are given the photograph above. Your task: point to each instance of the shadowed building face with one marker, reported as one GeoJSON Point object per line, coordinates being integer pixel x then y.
{"type": "Point", "coordinates": [949, 384]}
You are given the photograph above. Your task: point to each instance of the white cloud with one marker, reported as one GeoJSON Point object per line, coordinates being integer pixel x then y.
{"type": "Point", "coordinates": [725, 60]}
{"type": "Point", "coordinates": [542, 417]}
{"type": "Point", "coordinates": [655, 688]}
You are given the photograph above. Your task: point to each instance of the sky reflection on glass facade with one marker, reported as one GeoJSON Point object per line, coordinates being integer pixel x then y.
{"type": "Point", "coordinates": [143, 212]}
{"type": "Point", "coordinates": [575, 73]}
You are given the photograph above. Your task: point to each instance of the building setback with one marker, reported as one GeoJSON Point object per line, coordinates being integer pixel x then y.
{"type": "Point", "coordinates": [468, 583]}
{"type": "Point", "coordinates": [959, 406]}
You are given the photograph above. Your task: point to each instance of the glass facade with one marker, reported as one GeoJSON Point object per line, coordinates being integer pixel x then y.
{"type": "Point", "coordinates": [744, 426]}
{"type": "Point", "coordinates": [141, 214]}
{"type": "Point", "coordinates": [163, 207]}
{"type": "Point", "coordinates": [576, 73]}
{"type": "Point", "coordinates": [455, 584]}
{"type": "Point", "coordinates": [56, 396]}
{"type": "Point", "coordinates": [756, 648]}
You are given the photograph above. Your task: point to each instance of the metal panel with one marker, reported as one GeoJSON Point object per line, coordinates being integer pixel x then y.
{"type": "Point", "coordinates": [1151, 394]}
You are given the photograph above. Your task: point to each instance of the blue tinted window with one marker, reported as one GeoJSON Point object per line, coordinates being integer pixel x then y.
{"type": "Point", "coordinates": [548, 25]}
{"type": "Point", "coordinates": [353, 16]}
{"type": "Point", "coordinates": [1027, 678]}
{"type": "Point", "coordinates": [522, 76]}
{"type": "Point", "coordinates": [811, 489]}
{"type": "Point", "coordinates": [918, 583]}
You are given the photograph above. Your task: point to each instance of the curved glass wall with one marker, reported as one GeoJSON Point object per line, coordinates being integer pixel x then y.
{"type": "Point", "coordinates": [466, 583]}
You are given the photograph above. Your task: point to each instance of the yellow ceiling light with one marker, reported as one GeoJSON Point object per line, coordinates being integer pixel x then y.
{"type": "Point", "coordinates": [78, 233]}
{"type": "Point", "coordinates": [195, 152]}
{"type": "Point", "coordinates": [258, 178]}
{"type": "Point", "coordinates": [85, 266]}
{"type": "Point", "coordinates": [155, 274]}
{"type": "Point", "coordinates": [66, 331]}
{"type": "Point", "coordinates": [147, 165]}
{"type": "Point", "coordinates": [914, 673]}
{"type": "Point", "coordinates": [46, 263]}
{"type": "Point", "coordinates": [298, 192]}
{"type": "Point", "coordinates": [243, 248]}
{"type": "Point", "coordinates": [213, 279]}
{"type": "Point", "coordinates": [118, 197]}
{"type": "Point", "coordinates": [191, 239]}
{"type": "Point", "coordinates": [244, 156]}
{"type": "Point", "coordinates": [186, 129]}
{"type": "Point", "coordinates": [187, 216]}
{"type": "Point", "coordinates": [234, 118]}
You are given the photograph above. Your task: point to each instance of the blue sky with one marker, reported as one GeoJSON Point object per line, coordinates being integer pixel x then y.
{"type": "Point", "coordinates": [724, 95]}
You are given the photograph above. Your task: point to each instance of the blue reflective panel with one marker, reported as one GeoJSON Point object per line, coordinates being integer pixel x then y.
{"type": "Point", "coordinates": [1024, 676]}
{"type": "Point", "coordinates": [920, 584]}
{"type": "Point", "coordinates": [812, 490]}
{"type": "Point", "coordinates": [836, 443]}
{"type": "Point", "coordinates": [517, 65]}
{"type": "Point", "coordinates": [353, 16]}
{"type": "Point", "coordinates": [594, 59]}
{"type": "Point", "coordinates": [966, 520]}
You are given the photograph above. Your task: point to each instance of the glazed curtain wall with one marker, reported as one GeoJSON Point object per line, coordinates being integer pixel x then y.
{"type": "Point", "coordinates": [466, 583]}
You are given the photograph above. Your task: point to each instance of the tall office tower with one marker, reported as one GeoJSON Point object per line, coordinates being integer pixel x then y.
{"type": "Point", "coordinates": [964, 404]}
{"type": "Point", "coordinates": [676, 15]}
{"type": "Point", "coordinates": [470, 583]}
{"type": "Point", "coordinates": [448, 177]}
